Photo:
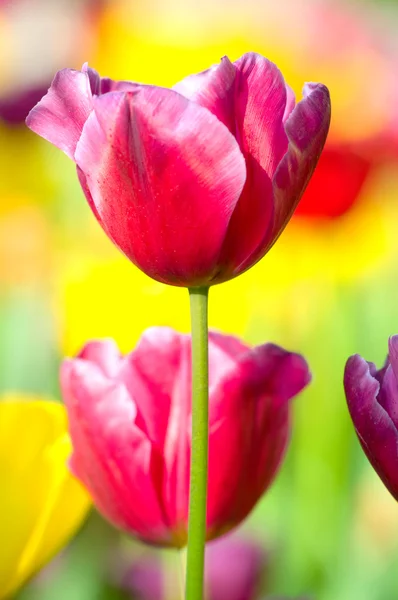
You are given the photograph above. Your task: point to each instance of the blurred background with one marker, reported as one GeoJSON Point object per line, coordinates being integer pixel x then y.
{"type": "Point", "coordinates": [327, 529]}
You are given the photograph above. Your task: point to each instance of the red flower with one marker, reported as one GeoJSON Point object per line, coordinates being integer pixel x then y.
{"type": "Point", "coordinates": [196, 183]}
{"type": "Point", "coordinates": [337, 182]}
{"type": "Point", "coordinates": [130, 424]}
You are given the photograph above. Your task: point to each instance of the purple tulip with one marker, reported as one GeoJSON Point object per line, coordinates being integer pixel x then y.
{"type": "Point", "coordinates": [372, 397]}
{"type": "Point", "coordinates": [234, 569]}
{"type": "Point", "coordinates": [144, 579]}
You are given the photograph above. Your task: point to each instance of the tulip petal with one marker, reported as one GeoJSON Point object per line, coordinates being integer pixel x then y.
{"type": "Point", "coordinates": [388, 394]}
{"type": "Point", "coordinates": [139, 147]}
{"type": "Point", "coordinates": [284, 375]}
{"type": "Point", "coordinates": [213, 89]}
{"type": "Point", "coordinates": [59, 117]}
{"type": "Point", "coordinates": [260, 106]}
{"type": "Point", "coordinates": [93, 78]}
{"type": "Point", "coordinates": [374, 427]}
{"type": "Point", "coordinates": [393, 354]}
{"type": "Point", "coordinates": [224, 354]}
{"type": "Point", "coordinates": [150, 371]}
{"type": "Point", "coordinates": [112, 457]}
{"type": "Point", "coordinates": [105, 354]}
{"type": "Point", "coordinates": [83, 183]}
{"type": "Point", "coordinates": [307, 128]}
{"type": "Point", "coordinates": [109, 85]}
{"type": "Point", "coordinates": [290, 103]}
{"type": "Point", "coordinates": [103, 85]}
{"type": "Point", "coordinates": [175, 489]}
{"type": "Point", "coordinates": [266, 378]}
{"type": "Point", "coordinates": [234, 568]}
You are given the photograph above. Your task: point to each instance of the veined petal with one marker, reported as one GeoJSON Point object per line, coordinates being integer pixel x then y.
{"type": "Point", "coordinates": [225, 352]}
{"type": "Point", "coordinates": [102, 85]}
{"type": "Point", "coordinates": [393, 354]}
{"type": "Point", "coordinates": [83, 183]}
{"type": "Point", "coordinates": [388, 394]}
{"type": "Point", "coordinates": [260, 107]}
{"type": "Point", "coordinates": [247, 445]}
{"type": "Point", "coordinates": [214, 89]}
{"type": "Point", "coordinates": [109, 85]}
{"type": "Point", "coordinates": [374, 427]}
{"type": "Point", "coordinates": [290, 103]}
{"type": "Point", "coordinates": [149, 372]}
{"type": "Point", "coordinates": [306, 128]}
{"type": "Point", "coordinates": [105, 354]}
{"type": "Point", "coordinates": [175, 485]}
{"type": "Point", "coordinates": [161, 170]}
{"type": "Point", "coordinates": [94, 79]}
{"type": "Point", "coordinates": [112, 456]}
{"type": "Point", "coordinates": [59, 116]}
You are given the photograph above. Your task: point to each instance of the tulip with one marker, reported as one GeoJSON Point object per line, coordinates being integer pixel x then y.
{"type": "Point", "coordinates": [144, 580]}
{"type": "Point", "coordinates": [41, 504]}
{"type": "Point", "coordinates": [372, 397]}
{"type": "Point", "coordinates": [130, 424]}
{"type": "Point", "coordinates": [194, 184]}
{"type": "Point", "coordinates": [234, 569]}
{"type": "Point", "coordinates": [337, 183]}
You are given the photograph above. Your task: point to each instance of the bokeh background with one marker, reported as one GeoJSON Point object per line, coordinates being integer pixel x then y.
{"type": "Point", "coordinates": [329, 288]}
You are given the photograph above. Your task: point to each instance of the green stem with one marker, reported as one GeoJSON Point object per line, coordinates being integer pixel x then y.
{"type": "Point", "coordinates": [200, 441]}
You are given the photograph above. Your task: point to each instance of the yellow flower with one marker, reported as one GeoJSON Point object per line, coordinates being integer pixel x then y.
{"type": "Point", "coordinates": [41, 504]}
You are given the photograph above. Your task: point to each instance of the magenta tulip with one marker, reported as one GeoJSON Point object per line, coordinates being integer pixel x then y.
{"type": "Point", "coordinates": [143, 579]}
{"type": "Point", "coordinates": [130, 424]}
{"type": "Point", "coordinates": [194, 184]}
{"type": "Point", "coordinates": [372, 397]}
{"type": "Point", "coordinates": [235, 569]}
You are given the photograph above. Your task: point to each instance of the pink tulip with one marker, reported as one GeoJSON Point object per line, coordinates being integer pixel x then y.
{"type": "Point", "coordinates": [196, 183]}
{"type": "Point", "coordinates": [235, 569]}
{"type": "Point", "coordinates": [130, 424]}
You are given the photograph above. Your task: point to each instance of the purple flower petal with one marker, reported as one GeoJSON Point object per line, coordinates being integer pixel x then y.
{"type": "Point", "coordinates": [374, 427]}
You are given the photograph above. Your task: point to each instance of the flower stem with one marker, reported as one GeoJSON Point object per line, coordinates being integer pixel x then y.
{"type": "Point", "coordinates": [200, 441]}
